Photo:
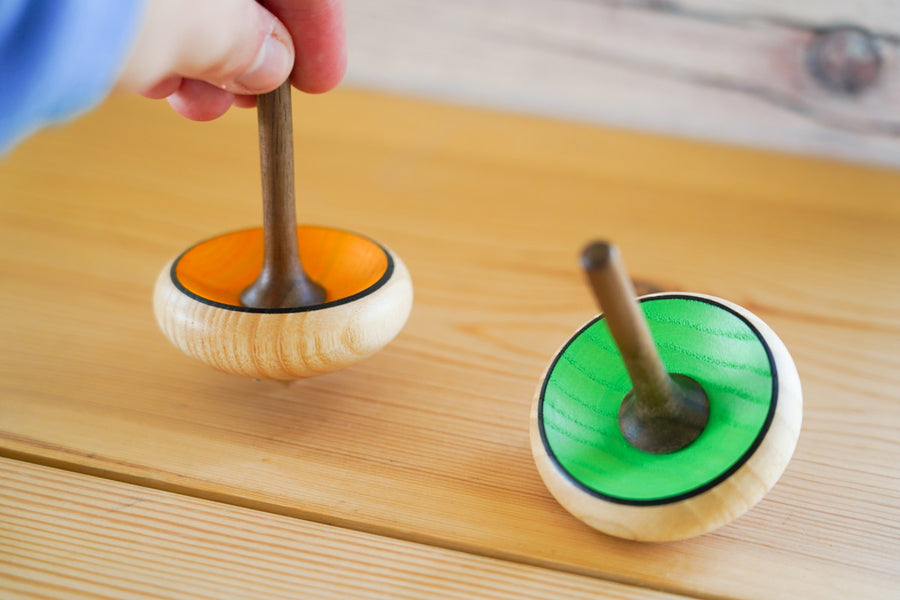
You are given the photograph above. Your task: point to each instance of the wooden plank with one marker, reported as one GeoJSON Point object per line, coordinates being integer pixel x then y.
{"type": "Point", "coordinates": [734, 72]}
{"type": "Point", "coordinates": [877, 15]}
{"type": "Point", "coordinates": [69, 535]}
{"type": "Point", "coordinates": [428, 440]}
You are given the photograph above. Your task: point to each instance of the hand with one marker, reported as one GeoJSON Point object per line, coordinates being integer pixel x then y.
{"type": "Point", "coordinates": [206, 55]}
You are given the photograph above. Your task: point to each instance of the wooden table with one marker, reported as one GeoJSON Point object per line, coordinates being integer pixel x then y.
{"type": "Point", "coordinates": [129, 470]}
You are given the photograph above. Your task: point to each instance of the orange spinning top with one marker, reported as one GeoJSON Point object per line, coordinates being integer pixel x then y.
{"type": "Point", "coordinates": [282, 302]}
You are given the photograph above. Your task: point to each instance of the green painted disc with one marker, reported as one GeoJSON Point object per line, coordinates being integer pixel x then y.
{"type": "Point", "coordinates": [707, 341]}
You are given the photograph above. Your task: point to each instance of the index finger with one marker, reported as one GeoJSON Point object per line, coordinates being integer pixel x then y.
{"type": "Point", "coordinates": [318, 30]}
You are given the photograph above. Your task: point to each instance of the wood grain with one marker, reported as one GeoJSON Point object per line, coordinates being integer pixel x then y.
{"type": "Point", "coordinates": [734, 72]}
{"type": "Point", "coordinates": [428, 440]}
{"type": "Point", "coordinates": [69, 535]}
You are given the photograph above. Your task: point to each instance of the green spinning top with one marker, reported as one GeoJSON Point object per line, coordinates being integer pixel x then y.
{"type": "Point", "coordinates": [665, 418]}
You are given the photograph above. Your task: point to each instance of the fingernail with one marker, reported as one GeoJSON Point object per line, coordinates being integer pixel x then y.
{"type": "Point", "coordinates": [271, 67]}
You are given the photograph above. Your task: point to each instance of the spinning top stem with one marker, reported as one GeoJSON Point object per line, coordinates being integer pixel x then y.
{"type": "Point", "coordinates": [282, 282]}
{"type": "Point", "coordinates": [663, 412]}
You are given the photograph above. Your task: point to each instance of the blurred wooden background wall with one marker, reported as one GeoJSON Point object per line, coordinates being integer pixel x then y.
{"type": "Point", "coordinates": [736, 71]}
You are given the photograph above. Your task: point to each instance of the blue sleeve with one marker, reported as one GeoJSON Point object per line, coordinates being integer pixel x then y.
{"type": "Point", "coordinates": [59, 58]}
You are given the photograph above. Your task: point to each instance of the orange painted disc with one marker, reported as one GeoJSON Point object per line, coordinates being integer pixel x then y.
{"type": "Point", "coordinates": [347, 265]}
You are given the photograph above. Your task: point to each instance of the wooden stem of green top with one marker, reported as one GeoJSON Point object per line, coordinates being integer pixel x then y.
{"type": "Point", "coordinates": [664, 412]}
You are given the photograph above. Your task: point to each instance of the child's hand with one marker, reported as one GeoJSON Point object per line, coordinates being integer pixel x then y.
{"type": "Point", "coordinates": [205, 55]}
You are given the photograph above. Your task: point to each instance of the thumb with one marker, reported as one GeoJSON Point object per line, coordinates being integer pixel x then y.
{"type": "Point", "coordinates": [235, 45]}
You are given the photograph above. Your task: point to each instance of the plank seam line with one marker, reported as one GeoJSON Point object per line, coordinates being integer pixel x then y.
{"type": "Point", "coordinates": [347, 524]}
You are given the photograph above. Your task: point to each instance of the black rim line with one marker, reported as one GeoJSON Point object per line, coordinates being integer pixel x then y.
{"type": "Point", "coordinates": [702, 488]}
{"type": "Point", "coordinates": [389, 270]}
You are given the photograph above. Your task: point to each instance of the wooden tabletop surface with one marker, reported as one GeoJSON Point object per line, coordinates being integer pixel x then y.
{"type": "Point", "coordinates": [129, 470]}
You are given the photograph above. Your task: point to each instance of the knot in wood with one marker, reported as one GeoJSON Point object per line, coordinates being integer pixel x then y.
{"type": "Point", "coordinates": [844, 59]}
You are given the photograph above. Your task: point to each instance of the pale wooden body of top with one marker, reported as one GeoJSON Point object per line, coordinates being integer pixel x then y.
{"type": "Point", "coordinates": [428, 440]}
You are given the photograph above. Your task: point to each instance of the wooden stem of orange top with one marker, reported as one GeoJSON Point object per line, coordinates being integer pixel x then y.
{"type": "Point", "coordinates": [663, 412]}
{"type": "Point", "coordinates": [282, 282]}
